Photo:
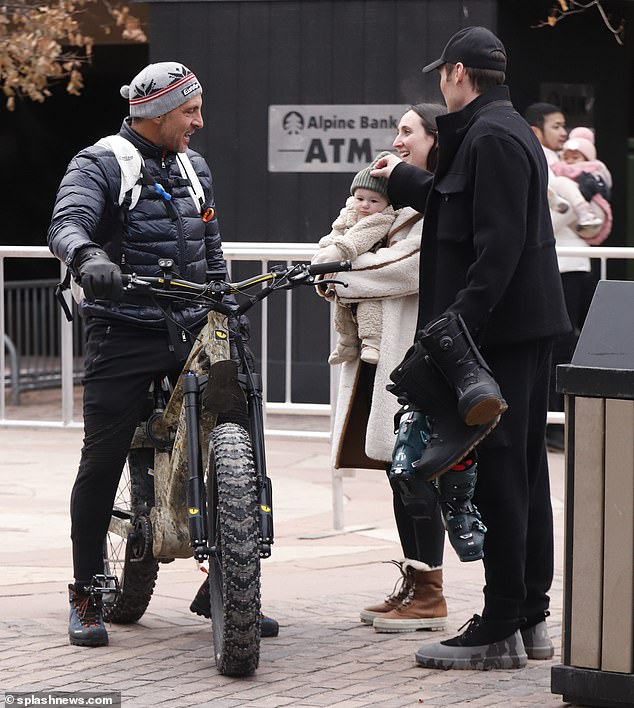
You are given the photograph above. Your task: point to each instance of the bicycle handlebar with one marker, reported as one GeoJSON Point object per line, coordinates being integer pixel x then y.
{"type": "Point", "coordinates": [212, 293]}
{"type": "Point", "coordinates": [332, 267]}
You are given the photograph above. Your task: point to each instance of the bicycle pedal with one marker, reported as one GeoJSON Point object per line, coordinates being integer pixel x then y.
{"type": "Point", "coordinates": [105, 586]}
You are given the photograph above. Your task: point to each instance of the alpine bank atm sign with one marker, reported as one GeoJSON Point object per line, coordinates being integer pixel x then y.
{"type": "Point", "coordinates": [325, 138]}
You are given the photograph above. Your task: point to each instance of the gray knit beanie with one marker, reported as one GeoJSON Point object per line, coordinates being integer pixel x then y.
{"type": "Point", "coordinates": [364, 180]}
{"type": "Point", "coordinates": [160, 88]}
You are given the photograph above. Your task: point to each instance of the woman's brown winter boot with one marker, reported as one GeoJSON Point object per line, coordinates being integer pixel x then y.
{"type": "Point", "coordinates": [394, 599]}
{"type": "Point", "coordinates": [423, 608]}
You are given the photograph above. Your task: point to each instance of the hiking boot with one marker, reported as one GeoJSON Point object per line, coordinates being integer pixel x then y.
{"type": "Point", "coordinates": [484, 645]}
{"type": "Point", "coordinates": [423, 608]}
{"type": "Point", "coordinates": [536, 639]}
{"type": "Point", "coordinates": [451, 348]}
{"type": "Point", "coordinates": [461, 516]}
{"type": "Point", "coordinates": [85, 625]}
{"type": "Point", "coordinates": [201, 605]}
{"type": "Point", "coordinates": [269, 627]}
{"type": "Point", "coordinates": [394, 599]}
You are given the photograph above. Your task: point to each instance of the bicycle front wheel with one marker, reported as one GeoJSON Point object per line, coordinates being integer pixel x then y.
{"type": "Point", "coordinates": [234, 569]}
{"type": "Point", "coordinates": [128, 552]}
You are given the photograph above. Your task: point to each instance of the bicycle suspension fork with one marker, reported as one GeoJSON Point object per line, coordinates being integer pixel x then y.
{"type": "Point", "coordinates": [252, 384]}
{"type": "Point", "coordinates": [196, 511]}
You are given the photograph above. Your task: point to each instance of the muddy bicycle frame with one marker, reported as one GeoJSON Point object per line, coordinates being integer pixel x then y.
{"type": "Point", "coordinates": [178, 517]}
{"type": "Point", "coordinates": [218, 509]}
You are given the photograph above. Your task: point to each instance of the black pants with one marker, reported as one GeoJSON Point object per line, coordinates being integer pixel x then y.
{"type": "Point", "coordinates": [120, 363]}
{"type": "Point", "coordinates": [513, 488]}
{"type": "Point", "coordinates": [579, 287]}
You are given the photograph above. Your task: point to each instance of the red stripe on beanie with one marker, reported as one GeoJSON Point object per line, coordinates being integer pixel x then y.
{"type": "Point", "coordinates": [167, 89]}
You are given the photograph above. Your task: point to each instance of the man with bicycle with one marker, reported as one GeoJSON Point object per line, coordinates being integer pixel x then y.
{"type": "Point", "coordinates": [106, 220]}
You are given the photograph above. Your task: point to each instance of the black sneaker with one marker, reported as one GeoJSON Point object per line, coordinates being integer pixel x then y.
{"type": "Point", "coordinates": [484, 645]}
{"type": "Point", "coordinates": [537, 641]}
{"type": "Point", "coordinates": [201, 605]}
{"type": "Point", "coordinates": [85, 625]}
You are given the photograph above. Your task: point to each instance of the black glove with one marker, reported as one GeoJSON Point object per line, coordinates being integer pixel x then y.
{"type": "Point", "coordinates": [99, 276]}
{"type": "Point", "coordinates": [590, 184]}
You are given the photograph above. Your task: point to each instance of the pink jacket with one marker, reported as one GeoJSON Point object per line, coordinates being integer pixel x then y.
{"type": "Point", "coordinates": [595, 167]}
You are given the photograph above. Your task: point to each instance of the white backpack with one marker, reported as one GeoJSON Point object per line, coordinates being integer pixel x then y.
{"type": "Point", "coordinates": [131, 163]}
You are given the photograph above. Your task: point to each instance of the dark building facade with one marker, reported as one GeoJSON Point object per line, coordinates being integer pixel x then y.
{"type": "Point", "coordinates": [341, 54]}
{"type": "Point", "coordinates": [262, 61]}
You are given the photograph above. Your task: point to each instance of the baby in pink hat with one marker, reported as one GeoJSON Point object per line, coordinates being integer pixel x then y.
{"type": "Point", "coordinates": [584, 183]}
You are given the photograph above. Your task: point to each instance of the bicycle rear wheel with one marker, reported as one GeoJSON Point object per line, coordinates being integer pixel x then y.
{"type": "Point", "coordinates": [129, 555]}
{"type": "Point", "coordinates": [234, 569]}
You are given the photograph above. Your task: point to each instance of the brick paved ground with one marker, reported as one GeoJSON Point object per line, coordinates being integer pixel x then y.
{"type": "Point", "coordinates": [315, 583]}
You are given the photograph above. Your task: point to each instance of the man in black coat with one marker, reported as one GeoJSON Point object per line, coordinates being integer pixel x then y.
{"type": "Point", "coordinates": [488, 256]}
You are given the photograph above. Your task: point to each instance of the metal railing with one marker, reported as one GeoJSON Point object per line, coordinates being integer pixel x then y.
{"type": "Point", "coordinates": [21, 344]}
{"type": "Point", "coordinates": [65, 373]}
{"type": "Point", "coordinates": [32, 316]}
{"type": "Point", "coordinates": [238, 252]}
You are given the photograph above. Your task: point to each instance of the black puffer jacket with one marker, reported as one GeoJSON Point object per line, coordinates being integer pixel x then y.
{"type": "Point", "coordinates": [86, 212]}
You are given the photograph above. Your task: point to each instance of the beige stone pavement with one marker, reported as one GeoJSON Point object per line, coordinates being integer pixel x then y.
{"type": "Point", "coordinates": [314, 584]}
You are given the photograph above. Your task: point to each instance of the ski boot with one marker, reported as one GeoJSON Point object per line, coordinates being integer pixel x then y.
{"type": "Point", "coordinates": [419, 495]}
{"type": "Point", "coordinates": [418, 383]}
{"type": "Point", "coordinates": [462, 518]}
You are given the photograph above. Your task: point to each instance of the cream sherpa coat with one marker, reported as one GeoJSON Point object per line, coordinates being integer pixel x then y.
{"type": "Point", "coordinates": [389, 276]}
{"type": "Point", "coordinates": [351, 236]}
{"type": "Point", "coordinates": [354, 235]}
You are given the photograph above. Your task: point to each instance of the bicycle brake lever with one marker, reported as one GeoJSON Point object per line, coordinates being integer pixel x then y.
{"type": "Point", "coordinates": [328, 281]}
{"type": "Point", "coordinates": [131, 283]}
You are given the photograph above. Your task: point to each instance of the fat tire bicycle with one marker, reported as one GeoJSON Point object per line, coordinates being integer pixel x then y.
{"type": "Point", "coordinates": [195, 481]}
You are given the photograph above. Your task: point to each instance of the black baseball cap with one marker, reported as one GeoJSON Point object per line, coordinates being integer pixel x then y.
{"type": "Point", "coordinates": [474, 47]}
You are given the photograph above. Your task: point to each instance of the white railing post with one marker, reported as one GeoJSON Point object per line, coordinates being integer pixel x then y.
{"type": "Point", "coordinates": [66, 338]}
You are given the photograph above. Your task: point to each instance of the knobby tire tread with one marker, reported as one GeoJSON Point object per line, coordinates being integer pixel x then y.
{"type": "Point", "coordinates": [234, 581]}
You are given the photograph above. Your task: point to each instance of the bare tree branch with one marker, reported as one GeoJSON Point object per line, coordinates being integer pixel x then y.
{"type": "Point", "coordinates": [566, 8]}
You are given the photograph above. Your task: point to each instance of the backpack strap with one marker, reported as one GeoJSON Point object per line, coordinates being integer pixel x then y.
{"type": "Point", "coordinates": [195, 187]}
{"type": "Point", "coordinates": [130, 163]}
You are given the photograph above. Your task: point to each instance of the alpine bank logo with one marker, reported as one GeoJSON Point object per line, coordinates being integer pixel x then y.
{"type": "Point", "coordinates": [329, 138]}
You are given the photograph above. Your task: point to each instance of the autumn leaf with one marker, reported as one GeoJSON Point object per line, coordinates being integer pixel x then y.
{"type": "Point", "coordinates": [43, 44]}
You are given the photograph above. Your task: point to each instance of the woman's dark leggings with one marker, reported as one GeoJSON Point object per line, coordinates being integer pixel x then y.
{"type": "Point", "coordinates": [421, 539]}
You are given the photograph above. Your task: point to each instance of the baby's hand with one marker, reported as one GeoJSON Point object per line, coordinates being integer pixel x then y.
{"type": "Point", "coordinates": [328, 254]}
